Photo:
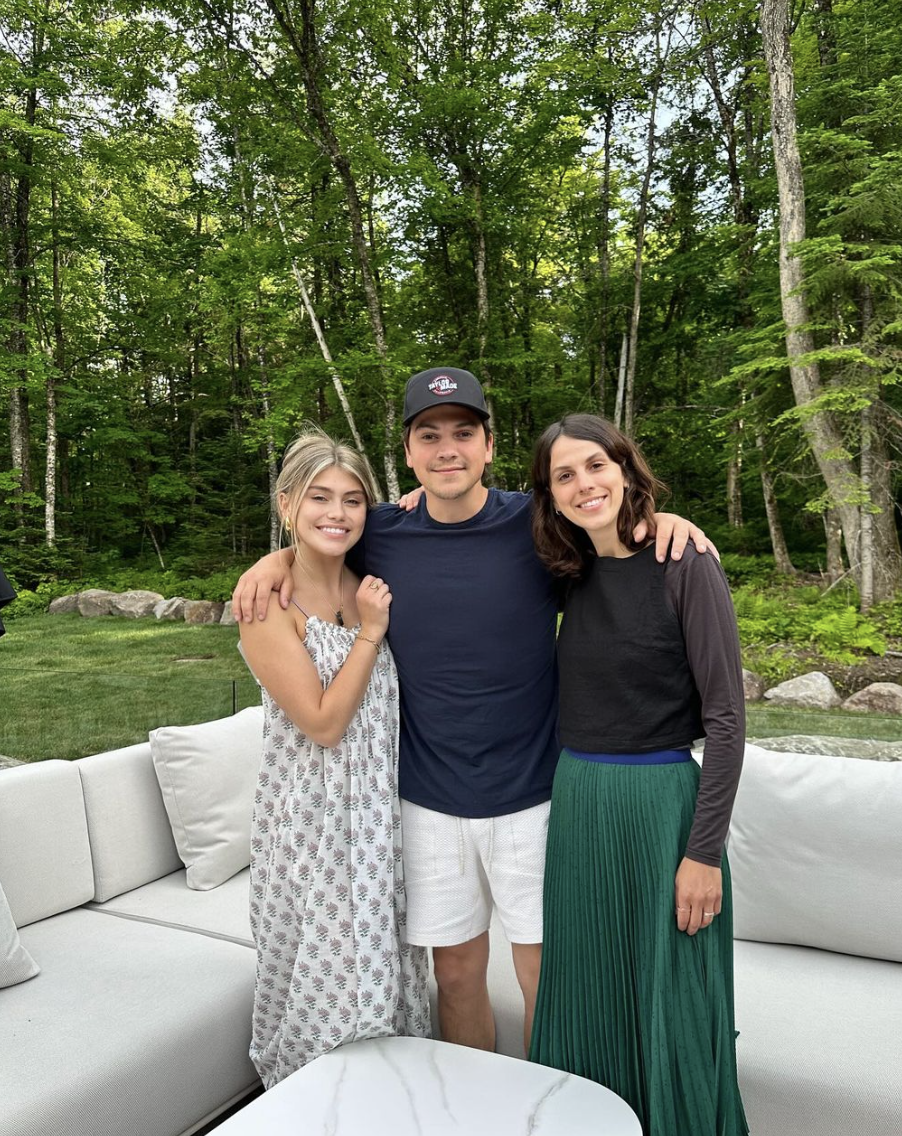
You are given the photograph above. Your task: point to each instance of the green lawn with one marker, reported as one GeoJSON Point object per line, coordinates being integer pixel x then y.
{"type": "Point", "coordinates": [73, 686]}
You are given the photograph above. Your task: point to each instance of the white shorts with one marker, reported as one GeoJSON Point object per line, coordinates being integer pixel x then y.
{"type": "Point", "coordinates": [457, 868]}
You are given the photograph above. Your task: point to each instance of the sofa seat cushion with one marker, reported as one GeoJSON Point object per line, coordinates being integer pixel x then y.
{"type": "Point", "coordinates": [129, 1028]}
{"type": "Point", "coordinates": [223, 913]}
{"type": "Point", "coordinates": [820, 1041]}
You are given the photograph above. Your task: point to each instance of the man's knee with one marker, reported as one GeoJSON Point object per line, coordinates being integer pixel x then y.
{"type": "Point", "coordinates": [461, 970]}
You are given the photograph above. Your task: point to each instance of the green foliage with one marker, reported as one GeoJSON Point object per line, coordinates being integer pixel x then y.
{"type": "Point", "coordinates": [804, 617]}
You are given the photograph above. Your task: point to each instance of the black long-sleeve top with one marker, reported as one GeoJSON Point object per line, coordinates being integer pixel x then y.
{"type": "Point", "coordinates": [649, 659]}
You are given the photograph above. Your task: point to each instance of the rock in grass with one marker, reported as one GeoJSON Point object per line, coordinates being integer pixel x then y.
{"type": "Point", "coordinates": [171, 609]}
{"type": "Point", "coordinates": [95, 601]}
{"type": "Point", "coordinates": [877, 698]}
{"type": "Point", "coordinates": [752, 686]}
{"type": "Point", "coordinates": [227, 616]}
{"type": "Point", "coordinates": [203, 611]}
{"type": "Point", "coordinates": [812, 691]}
{"type": "Point", "coordinates": [64, 605]}
{"type": "Point", "coordinates": [135, 604]}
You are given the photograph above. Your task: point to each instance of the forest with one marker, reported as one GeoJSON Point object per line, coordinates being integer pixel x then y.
{"type": "Point", "coordinates": [223, 218]}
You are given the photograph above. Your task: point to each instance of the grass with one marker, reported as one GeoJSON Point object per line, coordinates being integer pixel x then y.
{"type": "Point", "coordinates": [74, 686]}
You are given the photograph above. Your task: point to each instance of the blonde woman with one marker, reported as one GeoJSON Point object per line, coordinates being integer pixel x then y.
{"type": "Point", "coordinates": [327, 889]}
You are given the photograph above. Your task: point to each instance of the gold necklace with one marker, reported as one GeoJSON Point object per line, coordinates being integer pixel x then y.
{"type": "Point", "coordinates": [339, 611]}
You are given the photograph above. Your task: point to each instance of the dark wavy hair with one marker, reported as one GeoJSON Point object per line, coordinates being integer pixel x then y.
{"type": "Point", "coordinates": [564, 548]}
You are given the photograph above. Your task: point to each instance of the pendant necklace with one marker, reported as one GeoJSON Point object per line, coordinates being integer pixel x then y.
{"type": "Point", "coordinates": [339, 611]}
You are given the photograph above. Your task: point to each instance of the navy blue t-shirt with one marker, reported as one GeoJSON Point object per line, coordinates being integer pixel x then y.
{"type": "Point", "coordinates": [472, 629]}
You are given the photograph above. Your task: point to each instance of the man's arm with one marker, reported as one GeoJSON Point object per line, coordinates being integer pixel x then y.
{"type": "Point", "coordinates": [272, 573]}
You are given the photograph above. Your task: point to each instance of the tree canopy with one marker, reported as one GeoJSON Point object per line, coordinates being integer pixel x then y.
{"type": "Point", "coordinates": [223, 218]}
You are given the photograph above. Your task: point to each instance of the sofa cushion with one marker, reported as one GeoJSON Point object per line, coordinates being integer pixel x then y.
{"type": "Point", "coordinates": [131, 1028]}
{"type": "Point", "coordinates": [208, 774]}
{"type": "Point", "coordinates": [45, 857]}
{"type": "Point", "coordinates": [16, 964]}
{"type": "Point", "coordinates": [131, 839]}
{"type": "Point", "coordinates": [819, 1050]}
{"type": "Point", "coordinates": [223, 912]}
{"type": "Point", "coordinates": [815, 848]}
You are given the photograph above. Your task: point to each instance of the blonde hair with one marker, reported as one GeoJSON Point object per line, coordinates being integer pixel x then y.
{"type": "Point", "coordinates": [311, 453]}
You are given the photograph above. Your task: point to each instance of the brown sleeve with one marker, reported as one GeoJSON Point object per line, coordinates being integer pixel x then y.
{"type": "Point", "coordinates": [697, 590]}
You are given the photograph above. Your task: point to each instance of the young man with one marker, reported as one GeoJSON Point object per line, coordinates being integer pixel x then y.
{"type": "Point", "coordinates": [472, 630]}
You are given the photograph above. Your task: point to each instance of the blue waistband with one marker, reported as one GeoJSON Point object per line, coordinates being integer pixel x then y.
{"type": "Point", "coordinates": [656, 757]}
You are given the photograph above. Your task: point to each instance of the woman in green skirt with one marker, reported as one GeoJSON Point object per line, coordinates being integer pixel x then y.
{"type": "Point", "coordinates": [636, 987]}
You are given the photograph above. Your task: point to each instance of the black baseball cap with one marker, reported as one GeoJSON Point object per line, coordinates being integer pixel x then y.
{"type": "Point", "coordinates": [443, 385]}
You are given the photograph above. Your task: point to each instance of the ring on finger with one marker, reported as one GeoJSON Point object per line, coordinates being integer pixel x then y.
{"type": "Point", "coordinates": [374, 586]}
{"type": "Point", "coordinates": [708, 914]}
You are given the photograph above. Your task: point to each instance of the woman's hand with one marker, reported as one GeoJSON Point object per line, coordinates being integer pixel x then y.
{"type": "Point", "coordinates": [698, 892]}
{"type": "Point", "coordinates": [409, 501]}
{"type": "Point", "coordinates": [256, 585]}
{"type": "Point", "coordinates": [373, 602]}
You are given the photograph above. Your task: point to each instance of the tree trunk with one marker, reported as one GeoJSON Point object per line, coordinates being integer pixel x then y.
{"type": "Point", "coordinates": [604, 253]}
{"type": "Point", "coordinates": [621, 381]}
{"type": "Point", "coordinates": [641, 218]}
{"type": "Point", "coordinates": [823, 436]}
{"type": "Point", "coordinates": [734, 482]}
{"type": "Point", "coordinates": [866, 554]}
{"type": "Point", "coordinates": [305, 45]}
{"type": "Point", "coordinates": [272, 464]}
{"type": "Point", "coordinates": [833, 533]}
{"type": "Point", "coordinates": [59, 366]}
{"type": "Point", "coordinates": [316, 325]}
{"type": "Point", "coordinates": [772, 509]}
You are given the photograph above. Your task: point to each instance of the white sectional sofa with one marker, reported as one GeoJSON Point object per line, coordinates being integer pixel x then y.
{"type": "Point", "coordinates": [138, 1023]}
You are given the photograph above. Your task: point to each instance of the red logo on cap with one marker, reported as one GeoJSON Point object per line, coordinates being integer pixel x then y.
{"type": "Point", "coordinates": [442, 385]}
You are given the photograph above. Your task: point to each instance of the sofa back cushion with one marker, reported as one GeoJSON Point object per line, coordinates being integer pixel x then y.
{"type": "Point", "coordinates": [131, 839]}
{"type": "Point", "coordinates": [45, 857]}
{"type": "Point", "coordinates": [815, 851]}
{"type": "Point", "coordinates": [16, 964]}
{"type": "Point", "coordinates": [208, 776]}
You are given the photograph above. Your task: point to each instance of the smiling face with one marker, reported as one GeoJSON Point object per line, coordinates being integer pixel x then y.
{"type": "Point", "coordinates": [587, 488]}
{"type": "Point", "coordinates": [448, 451]}
{"type": "Point", "coordinates": [328, 516]}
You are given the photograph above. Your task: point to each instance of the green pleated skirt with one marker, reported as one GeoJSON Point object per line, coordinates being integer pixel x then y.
{"type": "Point", "coordinates": [625, 998]}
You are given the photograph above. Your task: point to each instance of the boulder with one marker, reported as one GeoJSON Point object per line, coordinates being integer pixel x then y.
{"type": "Point", "coordinates": [64, 605]}
{"type": "Point", "coordinates": [95, 601]}
{"type": "Point", "coordinates": [203, 611]}
{"type": "Point", "coordinates": [812, 691]}
{"type": "Point", "coordinates": [227, 616]}
{"type": "Point", "coordinates": [171, 609]}
{"type": "Point", "coordinates": [752, 686]}
{"type": "Point", "coordinates": [878, 698]}
{"type": "Point", "coordinates": [135, 604]}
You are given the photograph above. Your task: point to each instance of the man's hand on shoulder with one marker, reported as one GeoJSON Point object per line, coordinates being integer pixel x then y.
{"type": "Point", "coordinates": [256, 585]}
{"type": "Point", "coordinates": [669, 527]}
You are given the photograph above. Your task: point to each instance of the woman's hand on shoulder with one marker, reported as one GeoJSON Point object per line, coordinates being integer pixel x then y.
{"type": "Point", "coordinates": [373, 602]}
{"type": "Point", "coordinates": [698, 892]}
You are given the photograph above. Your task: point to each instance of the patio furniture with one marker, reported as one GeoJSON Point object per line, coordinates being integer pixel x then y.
{"type": "Point", "coordinates": [130, 1009]}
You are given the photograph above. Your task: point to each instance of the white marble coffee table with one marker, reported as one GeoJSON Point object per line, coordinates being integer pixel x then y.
{"type": "Point", "coordinates": [406, 1086]}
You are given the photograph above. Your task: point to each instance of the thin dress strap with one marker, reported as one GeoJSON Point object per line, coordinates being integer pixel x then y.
{"type": "Point", "coordinates": [300, 609]}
